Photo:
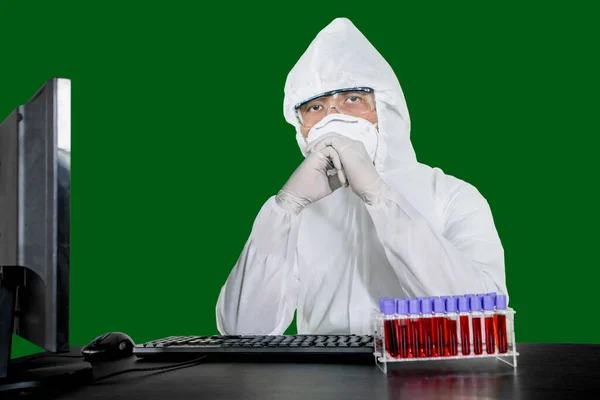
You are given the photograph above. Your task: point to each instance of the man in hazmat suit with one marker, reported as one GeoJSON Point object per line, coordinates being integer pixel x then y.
{"type": "Point", "coordinates": [360, 218]}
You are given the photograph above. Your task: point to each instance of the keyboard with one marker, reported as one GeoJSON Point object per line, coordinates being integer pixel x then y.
{"type": "Point", "coordinates": [261, 347]}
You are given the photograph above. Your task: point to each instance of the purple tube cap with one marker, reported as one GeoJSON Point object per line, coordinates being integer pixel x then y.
{"type": "Point", "coordinates": [414, 306]}
{"type": "Point", "coordinates": [439, 305]}
{"type": "Point", "coordinates": [475, 302]}
{"type": "Point", "coordinates": [426, 306]}
{"type": "Point", "coordinates": [501, 302]}
{"type": "Point", "coordinates": [488, 302]}
{"type": "Point", "coordinates": [463, 304]}
{"type": "Point", "coordinates": [452, 304]}
{"type": "Point", "coordinates": [389, 307]}
{"type": "Point", "coordinates": [381, 300]}
{"type": "Point", "coordinates": [401, 306]}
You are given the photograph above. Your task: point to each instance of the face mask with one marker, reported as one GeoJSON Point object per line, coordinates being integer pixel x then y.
{"type": "Point", "coordinates": [346, 125]}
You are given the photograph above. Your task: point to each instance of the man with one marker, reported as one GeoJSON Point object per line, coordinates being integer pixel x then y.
{"type": "Point", "coordinates": [360, 218]}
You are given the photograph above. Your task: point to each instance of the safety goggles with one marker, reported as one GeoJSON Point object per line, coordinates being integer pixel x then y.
{"type": "Point", "coordinates": [357, 102]}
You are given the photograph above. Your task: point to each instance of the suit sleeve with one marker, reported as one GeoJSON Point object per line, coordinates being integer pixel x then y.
{"type": "Point", "coordinates": [260, 294]}
{"type": "Point", "coordinates": [465, 257]}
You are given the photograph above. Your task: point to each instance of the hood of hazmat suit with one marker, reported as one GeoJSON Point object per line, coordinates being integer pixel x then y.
{"type": "Point", "coordinates": [433, 234]}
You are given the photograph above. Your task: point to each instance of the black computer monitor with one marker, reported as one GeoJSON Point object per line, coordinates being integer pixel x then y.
{"type": "Point", "coordinates": [35, 181]}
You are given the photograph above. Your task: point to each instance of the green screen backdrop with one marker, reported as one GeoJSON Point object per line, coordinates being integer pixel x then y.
{"type": "Point", "coordinates": [178, 139]}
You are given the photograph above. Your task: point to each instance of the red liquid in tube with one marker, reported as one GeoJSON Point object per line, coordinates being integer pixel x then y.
{"type": "Point", "coordinates": [439, 336]}
{"type": "Point", "coordinates": [402, 338]}
{"type": "Point", "coordinates": [390, 338]}
{"type": "Point", "coordinates": [501, 328]}
{"type": "Point", "coordinates": [477, 339]}
{"type": "Point", "coordinates": [452, 337]}
{"type": "Point", "coordinates": [426, 338]}
{"type": "Point", "coordinates": [490, 335]}
{"type": "Point", "coordinates": [414, 329]}
{"type": "Point", "coordinates": [465, 337]}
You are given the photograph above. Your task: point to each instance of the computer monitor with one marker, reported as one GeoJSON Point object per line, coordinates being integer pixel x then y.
{"type": "Point", "coordinates": [35, 180]}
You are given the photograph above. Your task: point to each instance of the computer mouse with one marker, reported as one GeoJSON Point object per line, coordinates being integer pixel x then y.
{"type": "Point", "coordinates": [110, 346]}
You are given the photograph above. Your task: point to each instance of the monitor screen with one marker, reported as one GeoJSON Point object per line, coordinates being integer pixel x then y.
{"type": "Point", "coordinates": [35, 177]}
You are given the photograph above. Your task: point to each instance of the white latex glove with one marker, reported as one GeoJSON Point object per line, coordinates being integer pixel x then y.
{"type": "Point", "coordinates": [356, 164]}
{"type": "Point", "coordinates": [319, 175]}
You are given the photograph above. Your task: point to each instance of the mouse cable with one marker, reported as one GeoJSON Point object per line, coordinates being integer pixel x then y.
{"type": "Point", "coordinates": [166, 368]}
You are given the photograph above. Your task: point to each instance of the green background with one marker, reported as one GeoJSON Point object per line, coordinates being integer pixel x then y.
{"type": "Point", "coordinates": [179, 138]}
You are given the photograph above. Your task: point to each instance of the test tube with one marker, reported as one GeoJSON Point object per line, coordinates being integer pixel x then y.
{"type": "Point", "coordinates": [452, 326]}
{"type": "Point", "coordinates": [465, 334]}
{"type": "Point", "coordinates": [439, 328]}
{"type": "Point", "coordinates": [476, 317]}
{"type": "Point", "coordinates": [426, 338]}
{"type": "Point", "coordinates": [488, 316]}
{"type": "Point", "coordinates": [388, 309]}
{"type": "Point", "coordinates": [501, 311]}
{"type": "Point", "coordinates": [402, 334]}
{"type": "Point", "coordinates": [414, 327]}
{"type": "Point", "coordinates": [494, 295]}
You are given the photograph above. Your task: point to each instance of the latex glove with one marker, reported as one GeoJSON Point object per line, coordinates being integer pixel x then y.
{"type": "Point", "coordinates": [319, 175]}
{"type": "Point", "coordinates": [363, 178]}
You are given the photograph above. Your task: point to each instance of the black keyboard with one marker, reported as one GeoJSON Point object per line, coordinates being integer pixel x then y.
{"type": "Point", "coordinates": [264, 347]}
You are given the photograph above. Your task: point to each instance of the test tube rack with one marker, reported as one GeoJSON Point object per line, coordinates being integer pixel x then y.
{"type": "Point", "coordinates": [391, 347]}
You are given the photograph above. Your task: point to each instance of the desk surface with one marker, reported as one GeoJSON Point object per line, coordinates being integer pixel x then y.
{"type": "Point", "coordinates": [544, 372]}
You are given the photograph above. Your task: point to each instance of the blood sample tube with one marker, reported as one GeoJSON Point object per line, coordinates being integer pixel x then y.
{"type": "Point", "coordinates": [501, 311]}
{"type": "Point", "coordinates": [388, 310]}
{"type": "Point", "coordinates": [488, 317]}
{"type": "Point", "coordinates": [426, 339]}
{"type": "Point", "coordinates": [439, 328]}
{"type": "Point", "coordinates": [465, 326]}
{"type": "Point", "coordinates": [494, 295]}
{"type": "Point", "coordinates": [414, 327]}
{"type": "Point", "coordinates": [476, 317]}
{"type": "Point", "coordinates": [402, 333]}
{"type": "Point", "coordinates": [452, 326]}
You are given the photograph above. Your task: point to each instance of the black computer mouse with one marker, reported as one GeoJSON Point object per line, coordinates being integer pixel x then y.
{"type": "Point", "coordinates": [110, 346]}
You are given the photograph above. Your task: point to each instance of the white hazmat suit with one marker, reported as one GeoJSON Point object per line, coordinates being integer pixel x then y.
{"type": "Point", "coordinates": [430, 235]}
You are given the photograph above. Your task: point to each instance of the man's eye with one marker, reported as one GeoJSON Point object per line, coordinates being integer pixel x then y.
{"type": "Point", "coordinates": [353, 99]}
{"type": "Point", "coordinates": [315, 108]}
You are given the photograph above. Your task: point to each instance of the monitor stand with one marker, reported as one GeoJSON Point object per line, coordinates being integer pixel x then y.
{"type": "Point", "coordinates": [33, 372]}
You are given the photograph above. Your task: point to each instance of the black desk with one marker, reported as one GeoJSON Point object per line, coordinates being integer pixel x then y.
{"type": "Point", "coordinates": [544, 372]}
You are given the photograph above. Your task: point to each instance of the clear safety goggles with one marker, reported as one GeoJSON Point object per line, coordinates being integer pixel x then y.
{"type": "Point", "coordinates": [357, 102]}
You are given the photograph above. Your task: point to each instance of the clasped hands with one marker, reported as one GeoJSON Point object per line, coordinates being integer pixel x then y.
{"type": "Point", "coordinates": [333, 161]}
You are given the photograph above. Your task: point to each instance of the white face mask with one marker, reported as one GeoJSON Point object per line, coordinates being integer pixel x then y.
{"type": "Point", "coordinates": [346, 125]}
